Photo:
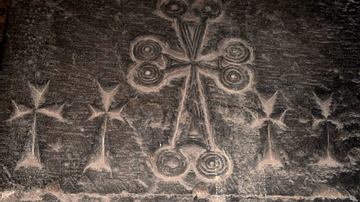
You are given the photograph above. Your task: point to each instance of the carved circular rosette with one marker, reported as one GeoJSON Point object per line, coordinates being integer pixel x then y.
{"type": "Point", "coordinates": [235, 77]}
{"type": "Point", "coordinates": [170, 162]}
{"type": "Point", "coordinates": [148, 74]}
{"type": "Point", "coordinates": [208, 10]}
{"type": "Point", "coordinates": [147, 50]}
{"type": "Point", "coordinates": [214, 165]}
{"type": "Point", "coordinates": [174, 8]}
{"type": "Point", "coordinates": [236, 52]}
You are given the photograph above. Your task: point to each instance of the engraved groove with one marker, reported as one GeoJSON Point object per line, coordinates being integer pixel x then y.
{"type": "Point", "coordinates": [174, 8]}
{"type": "Point", "coordinates": [208, 10]}
{"type": "Point", "coordinates": [31, 155]}
{"type": "Point", "coordinates": [211, 164]}
{"type": "Point", "coordinates": [236, 52]}
{"type": "Point", "coordinates": [234, 78]}
{"type": "Point", "coordinates": [147, 50]}
{"type": "Point", "coordinates": [171, 163]}
{"type": "Point", "coordinates": [148, 74]}
{"type": "Point", "coordinates": [192, 34]}
{"type": "Point", "coordinates": [156, 65]}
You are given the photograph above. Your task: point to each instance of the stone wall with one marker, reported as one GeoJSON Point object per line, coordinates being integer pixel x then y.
{"type": "Point", "coordinates": [175, 100]}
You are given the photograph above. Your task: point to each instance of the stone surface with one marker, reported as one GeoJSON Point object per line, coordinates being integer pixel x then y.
{"type": "Point", "coordinates": [4, 4]}
{"type": "Point", "coordinates": [176, 100]}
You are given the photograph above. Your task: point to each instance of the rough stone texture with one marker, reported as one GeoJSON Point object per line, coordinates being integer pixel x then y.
{"type": "Point", "coordinates": [4, 4]}
{"type": "Point", "coordinates": [177, 100]}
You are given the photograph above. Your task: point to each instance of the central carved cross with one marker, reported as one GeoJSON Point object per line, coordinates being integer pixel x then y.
{"type": "Point", "coordinates": [156, 65]}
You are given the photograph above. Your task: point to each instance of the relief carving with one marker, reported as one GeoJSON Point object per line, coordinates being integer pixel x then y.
{"type": "Point", "coordinates": [31, 155]}
{"type": "Point", "coordinates": [156, 65]}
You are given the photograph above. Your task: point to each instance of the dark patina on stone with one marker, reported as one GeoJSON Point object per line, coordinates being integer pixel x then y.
{"type": "Point", "coordinates": [181, 100]}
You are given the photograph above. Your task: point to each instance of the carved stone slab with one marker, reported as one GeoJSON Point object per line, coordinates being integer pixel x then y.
{"type": "Point", "coordinates": [181, 100]}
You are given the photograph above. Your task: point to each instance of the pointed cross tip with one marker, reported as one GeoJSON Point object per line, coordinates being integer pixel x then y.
{"type": "Point", "coordinates": [258, 123]}
{"type": "Point", "coordinates": [273, 97]}
{"type": "Point", "coordinates": [93, 117]}
{"type": "Point", "coordinates": [12, 118]}
{"type": "Point", "coordinates": [317, 122]}
{"type": "Point", "coordinates": [29, 163]}
{"type": "Point", "coordinates": [107, 95]}
{"type": "Point", "coordinates": [314, 93]}
{"type": "Point", "coordinates": [40, 89]}
{"type": "Point", "coordinates": [267, 105]}
{"type": "Point", "coordinates": [54, 112]}
{"type": "Point", "coordinates": [30, 85]}
{"type": "Point", "coordinates": [275, 94]}
{"type": "Point", "coordinates": [37, 93]}
{"type": "Point", "coordinates": [15, 116]}
{"type": "Point", "coordinates": [61, 107]}
{"type": "Point", "coordinates": [262, 97]}
{"type": "Point", "coordinates": [270, 162]}
{"type": "Point", "coordinates": [98, 166]}
{"type": "Point", "coordinates": [14, 103]}
{"type": "Point", "coordinates": [323, 101]}
{"type": "Point", "coordinates": [117, 117]}
{"type": "Point", "coordinates": [338, 125]}
{"type": "Point", "coordinates": [116, 87]}
{"type": "Point", "coordinates": [279, 123]}
{"type": "Point", "coordinates": [110, 90]}
{"type": "Point", "coordinates": [46, 86]}
{"type": "Point", "coordinates": [318, 100]}
{"type": "Point", "coordinates": [94, 113]}
{"type": "Point", "coordinates": [116, 112]}
{"type": "Point", "coordinates": [17, 112]}
{"type": "Point", "coordinates": [324, 105]}
{"type": "Point", "coordinates": [99, 85]}
{"type": "Point", "coordinates": [329, 161]}
{"type": "Point", "coordinates": [282, 117]}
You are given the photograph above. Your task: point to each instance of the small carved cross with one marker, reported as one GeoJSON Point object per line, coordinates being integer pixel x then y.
{"type": "Point", "coordinates": [268, 107]}
{"type": "Point", "coordinates": [31, 155]}
{"type": "Point", "coordinates": [99, 160]}
{"type": "Point", "coordinates": [325, 111]}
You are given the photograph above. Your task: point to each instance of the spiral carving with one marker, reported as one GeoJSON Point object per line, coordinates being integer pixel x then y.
{"type": "Point", "coordinates": [171, 163]}
{"type": "Point", "coordinates": [149, 74]}
{"type": "Point", "coordinates": [147, 50]}
{"type": "Point", "coordinates": [236, 52]}
{"type": "Point", "coordinates": [234, 78]}
{"type": "Point", "coordinates": [174, 8]}
{"type": "Point", "coordinates": [208, 10]}
{"type": "Point", "coordinates": [211, 164]}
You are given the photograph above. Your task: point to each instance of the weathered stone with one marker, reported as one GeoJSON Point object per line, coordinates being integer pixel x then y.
{"type": "Point", "coordinates": [176, 100]}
